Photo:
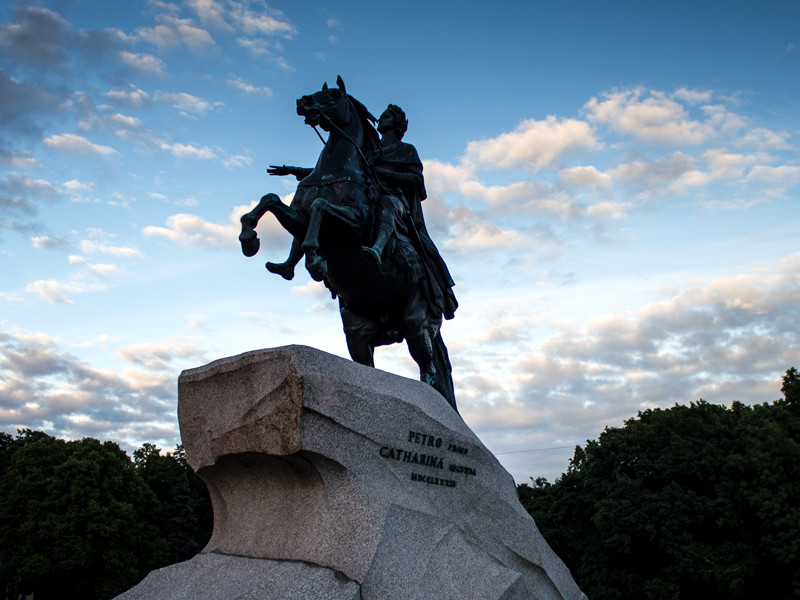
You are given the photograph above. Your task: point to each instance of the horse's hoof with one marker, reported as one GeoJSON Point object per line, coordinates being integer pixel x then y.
{"type": "Point", "coordinates": [282, 269]}
{"type": "Point", "coordinates": [249, 241]}
{"type": "Point", "coordinates": [372, 254]}
{"type": "Point", "coordinates": [317, 269]}
{"type": "Point", "coordinates": [429, 378]}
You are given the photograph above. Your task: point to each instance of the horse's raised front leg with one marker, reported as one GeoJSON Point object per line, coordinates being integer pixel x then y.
{"type": "Point", "coordinates": [290, 219]}
{"type": "Point", "coordinates": [286, 268]}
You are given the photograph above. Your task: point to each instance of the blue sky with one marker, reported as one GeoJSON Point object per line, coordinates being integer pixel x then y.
{"type": "Point", "coordinates": [613, 185]}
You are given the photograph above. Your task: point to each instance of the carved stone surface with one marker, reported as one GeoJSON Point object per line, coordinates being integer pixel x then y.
{"type": "Point", "coordinates": [322, 465]}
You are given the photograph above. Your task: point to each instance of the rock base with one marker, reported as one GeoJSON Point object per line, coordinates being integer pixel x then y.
{"type": "Point", "coordinates": [334, 480]}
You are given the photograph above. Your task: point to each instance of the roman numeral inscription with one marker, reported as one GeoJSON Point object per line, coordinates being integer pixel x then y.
{"type": "Point", "coordinates": [434, 456]}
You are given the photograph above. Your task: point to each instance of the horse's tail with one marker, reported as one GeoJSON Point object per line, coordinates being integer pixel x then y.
{"type": "Point", "coordinates": [443, 380]}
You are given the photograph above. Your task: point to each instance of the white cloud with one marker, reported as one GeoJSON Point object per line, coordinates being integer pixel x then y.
{"type": "Point", "coordinates": [120, 120]}
{"type": "Point", "coordinates": [188, 150]}
{"type": "Point", "coordinates": [103, 270]}
{"type": "Point", "coordinates": [59, 292]}
{"type": "Point", "coordinates": [654, 175]}
{"type": "Point", "coordinates": [586, 177]}
{"type": "Point", "coordinates": [473, 231]}
{"type": "Point", "coordinates": [187, 104]}
{"type": "Point", "coordinates": [648, 115]}
{"type": "Point", "coordinates": [159, 357]}
{"type": "Point", "coordinates": [143, 62]}
{"type": "Point", "coordinates": [131, 96]}
{"type": "Point", "coordinates": [21, 184]}
{"type": "Point", "coordinates": [173, 32]}
{"type": "Point", "coordinates": [693, 96]}
{"type": "Point", "coordinates": [70, 143]}
{"type": "Point", "coordinates": [248, 88]}
{"type": "Point", "coordinates": [533, 145]}
{"type": "Point", "coordinates": [93, 246]}
{"type": "Point", "coordinates": [210, 12]}
{"type": "Point", "coordinates": [49, 243]}
{"type": "Point", "coordinates": [774, 180]}
{"type": "Point", "coordinates": [269, 22]}
{"type": "Point", "coordinates": [237, 161]}
{"type": "Point", "coordinates": [611, 210]}
{"type": "Point", "coordinates": [764, 139]}
{"type": "Point", "coordinates": [188, 229]}
{"type": "Point", "coordinates": [73, 400]}
{"type": "Point", "coordinates": [73, 185]}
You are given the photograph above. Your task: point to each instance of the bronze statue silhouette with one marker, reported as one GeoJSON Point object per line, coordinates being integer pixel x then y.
{"type": "Point", "coordinates": [356, 218]}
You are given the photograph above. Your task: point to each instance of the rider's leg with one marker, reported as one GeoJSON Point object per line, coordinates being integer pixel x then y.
{"type": "Point", "coordinates": [286, 268]}
{"type": "Point", "coordinates": [389, 219]}
{"type": "Point", "coordinates": [376, 250]}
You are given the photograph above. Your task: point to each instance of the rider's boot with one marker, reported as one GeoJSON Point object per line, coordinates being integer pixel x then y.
{"type": "Point", "coordinates": [376, 250]}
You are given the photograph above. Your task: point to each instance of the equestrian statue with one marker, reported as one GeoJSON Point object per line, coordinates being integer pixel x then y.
{"type": "Point", "coordinates": [356, 218]}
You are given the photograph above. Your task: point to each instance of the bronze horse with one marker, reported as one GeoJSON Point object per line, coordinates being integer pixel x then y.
{"type": "Point", "coordinates": [331, 218]}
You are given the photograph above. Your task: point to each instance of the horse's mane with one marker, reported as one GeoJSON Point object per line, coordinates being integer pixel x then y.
{"type": "Point", "coordinates": [372, 138]}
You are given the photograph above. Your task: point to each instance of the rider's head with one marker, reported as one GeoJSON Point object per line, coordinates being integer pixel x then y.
{"type": "Point", "coordinates": [397, 117]}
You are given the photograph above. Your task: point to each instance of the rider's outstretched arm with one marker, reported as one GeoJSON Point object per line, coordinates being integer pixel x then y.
{"type": "Point", "coordinates": [299, 172]}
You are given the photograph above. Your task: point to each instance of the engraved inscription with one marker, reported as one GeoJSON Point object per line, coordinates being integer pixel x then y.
{"type": "Point", "coordinates": [457, 449]}
{"type": "Point", "coordinates": [432, 480]}
{"type": "Point", "coordinates": [427, 460]}
{"type": "Point", "coordinates": [463, 469]}
{"type": "Point", "coordinates": [422, 438]}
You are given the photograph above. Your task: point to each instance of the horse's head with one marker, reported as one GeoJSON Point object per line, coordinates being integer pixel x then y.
{"type": "Point", "coordinates": [327, 106]}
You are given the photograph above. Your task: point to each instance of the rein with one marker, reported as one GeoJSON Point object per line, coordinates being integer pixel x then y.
{"type": "Point", "coordinates": [344, 134]}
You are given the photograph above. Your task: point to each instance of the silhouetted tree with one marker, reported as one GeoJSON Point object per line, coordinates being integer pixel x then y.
{"type": "Point", "coordinates": [791, 388]}
{"type": "Point", "coordinates": [76, 521]}
{"type": "Point", "coordinates": [691, 502]}
{"type": "Point", "coordinates": [185, 515]}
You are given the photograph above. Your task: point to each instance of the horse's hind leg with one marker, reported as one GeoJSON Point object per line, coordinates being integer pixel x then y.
{"type": "Point", "coordinates": [420, 330]}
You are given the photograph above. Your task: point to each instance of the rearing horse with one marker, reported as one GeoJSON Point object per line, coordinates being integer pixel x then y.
{"type": "Point", "coordinates": [330, 219]}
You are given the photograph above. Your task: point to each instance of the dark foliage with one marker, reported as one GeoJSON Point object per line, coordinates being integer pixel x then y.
{"type": "Point", "coordinates": [79, 519]}
{"type": "Point", "coordinates": [698, 501]}
{"type": "Point", "coordinates": [185, 515]}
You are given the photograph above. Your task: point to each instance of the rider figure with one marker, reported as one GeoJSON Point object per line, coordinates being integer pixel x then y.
{"type": "Point", "coordinates": [399, 170]}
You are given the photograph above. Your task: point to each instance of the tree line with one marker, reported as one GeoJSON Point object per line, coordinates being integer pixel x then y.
{"type": "Point", "coordinates": [82, 519]}
{"type": "Point", "coordinates": [698, 501]}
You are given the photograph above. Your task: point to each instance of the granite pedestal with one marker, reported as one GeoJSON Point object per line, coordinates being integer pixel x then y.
{"type": "Point", "coordinates": [331, 480]}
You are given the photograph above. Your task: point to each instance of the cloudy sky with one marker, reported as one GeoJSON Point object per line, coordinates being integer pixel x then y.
{"type": "Point", "coordinates": [613, 185]}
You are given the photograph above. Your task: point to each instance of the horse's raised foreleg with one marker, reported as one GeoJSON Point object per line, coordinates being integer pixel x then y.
{"type": "Point", "coordinates": [290, 219]}
{"type": "Point", "coordinates": [286, 268]}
